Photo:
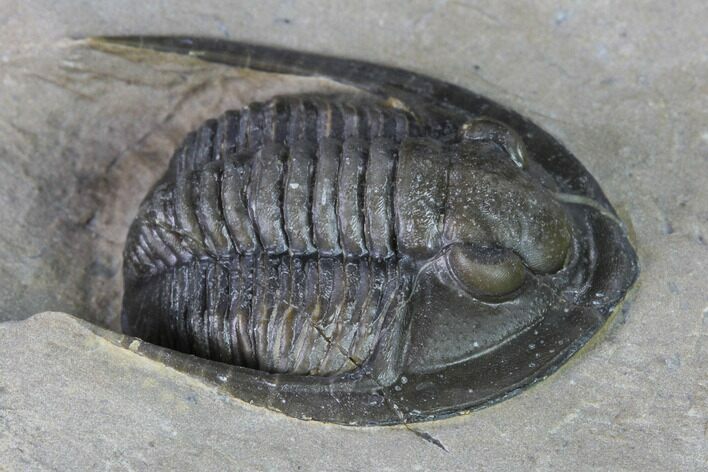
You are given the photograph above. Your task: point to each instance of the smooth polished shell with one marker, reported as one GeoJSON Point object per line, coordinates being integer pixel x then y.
{"type": "Point", "coordinates": [397, 255]}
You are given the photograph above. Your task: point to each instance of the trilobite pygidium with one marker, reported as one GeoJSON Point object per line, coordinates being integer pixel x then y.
{"type": "Point", "coordinates": [396, 254]}
{"type": "Point", "coordinates": [290, 236]}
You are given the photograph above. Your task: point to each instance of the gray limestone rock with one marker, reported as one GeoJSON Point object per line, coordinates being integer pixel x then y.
{"type": "Point", "coordinates": [621, 85]}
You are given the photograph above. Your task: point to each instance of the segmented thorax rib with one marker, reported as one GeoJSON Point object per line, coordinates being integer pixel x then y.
{"type": "Point", "coordinates": [272, 240]}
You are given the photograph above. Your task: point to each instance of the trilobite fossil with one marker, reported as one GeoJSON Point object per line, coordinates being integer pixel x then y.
{"type": "Point", "coordinates": [394, 255]}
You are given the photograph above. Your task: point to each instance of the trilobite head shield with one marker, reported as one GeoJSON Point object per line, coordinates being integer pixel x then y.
{"type": "Point", "coordinates": [394, 255]}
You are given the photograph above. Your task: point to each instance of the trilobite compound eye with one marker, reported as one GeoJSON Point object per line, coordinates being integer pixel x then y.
{"type": "Point", "coordinates": [487, 273]}
{"type": "Point", "coordinates": [483, 129]}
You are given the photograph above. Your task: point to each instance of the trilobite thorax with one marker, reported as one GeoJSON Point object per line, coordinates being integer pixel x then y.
{"type": "Point", "coordinates": [288, 236]}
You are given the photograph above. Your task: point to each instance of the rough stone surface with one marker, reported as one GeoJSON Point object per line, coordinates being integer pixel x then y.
{"type": "Point", "coordinates": [622, 84]}
{"type": "Point", "coordinates": [71, 398]}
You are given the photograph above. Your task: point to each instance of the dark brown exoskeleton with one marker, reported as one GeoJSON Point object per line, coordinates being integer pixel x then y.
{"type": "Point", "coordinates": [288, 236]}
{"type": "Point", "coordinates": [401, 253]}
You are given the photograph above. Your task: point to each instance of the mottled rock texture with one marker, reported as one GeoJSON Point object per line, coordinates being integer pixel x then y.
{"type": "Point", "coordinates": [623, 85]}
